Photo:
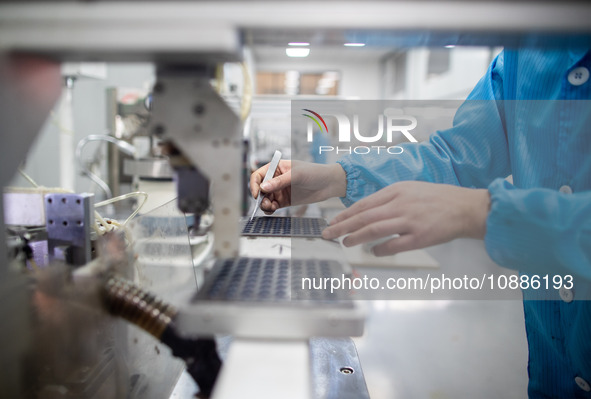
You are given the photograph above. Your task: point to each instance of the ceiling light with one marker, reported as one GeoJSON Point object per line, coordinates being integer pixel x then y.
{"type": "Point", "coordinates": [354, 44]}
{"type": "Point", "coordinates": [450, 46]}
{"type": "Point", "coordinates": [298, 44]}
{"type": "Point", "coordinates": [297, 52]}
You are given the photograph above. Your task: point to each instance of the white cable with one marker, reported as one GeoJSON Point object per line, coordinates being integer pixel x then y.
{"type": "Point", "coordinates": [121, 145]}
{"type": "Point", "coordinates": [247, 92]}
{"type": "Point", "coordinates": [27, 177]}
{"type": "Point", "coordinates": [123, 197]}
{"type": "Point", "coordinates": [103, 223]}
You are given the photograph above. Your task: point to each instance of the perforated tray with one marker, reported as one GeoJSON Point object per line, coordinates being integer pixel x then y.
{"type": "Point", "coordinates": [270, 280]}
{"type": "Point", "coordinates": [275, 226]}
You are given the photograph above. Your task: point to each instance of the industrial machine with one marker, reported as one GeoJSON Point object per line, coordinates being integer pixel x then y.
{"type": "Point", "coordinates": [57, 339]}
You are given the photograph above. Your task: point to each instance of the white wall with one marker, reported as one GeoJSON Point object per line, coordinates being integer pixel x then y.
{"type": "Point", "coordinates": [467, 66]}
{"type": "Point", "coordinates": [89, 114]}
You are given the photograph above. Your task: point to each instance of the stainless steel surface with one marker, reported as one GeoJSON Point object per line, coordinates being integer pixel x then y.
{"type": "Point", "coordinates": [336, 370]}
{"type": "Point", "coordinates": [69, 217]}
{"type": "Point", "coordinates": [208, 133]}
{"type": "Point", "coordinates": [185, 387]}
{"type": "Point", "coordinates": [446, 349]}
{"type": "Point", "coordinates": [153, 168]}
{"type": "Point", "coordinates": [113, 155]}
{"type": "Point", "coordinates": [282, 370]}
{"type": "Point", "coordinates": [269, 322]}
{"type": "Point", "coordinates": [184, 31]}
{"type": "Point", "coordinates": [118, 32]}
{"type": "Point", "coordinates": [152, 367]}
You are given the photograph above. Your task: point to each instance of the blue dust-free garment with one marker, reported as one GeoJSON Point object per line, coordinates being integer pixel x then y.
{"type": "Point", "coordinates": [527, 119]}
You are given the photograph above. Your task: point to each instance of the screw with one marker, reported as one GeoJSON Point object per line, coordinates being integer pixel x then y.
{"type": "Point", "coordinates": [159, 88]}
{"type": "Point", "coordinates": [199, 109]}
{"type": "Point", "coordinates": [159, 130]}
{"type": "Point", "coordinates": [347, 370]}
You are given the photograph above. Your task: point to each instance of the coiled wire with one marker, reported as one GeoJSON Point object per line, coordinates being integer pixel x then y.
{"type": "Point", "coordinates": [145, 310]}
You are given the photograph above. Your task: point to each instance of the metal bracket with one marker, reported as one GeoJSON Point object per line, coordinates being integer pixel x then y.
{"type": "Point", "coordinates": [189, 112]}
{"type": "Point", "coordinates": [69, 217]}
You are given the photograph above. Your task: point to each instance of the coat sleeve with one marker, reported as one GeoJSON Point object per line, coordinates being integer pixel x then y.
{"type": "Point", "coordinates": [472, 153]}
{"type": "Point", "coordinates": [539, 230]}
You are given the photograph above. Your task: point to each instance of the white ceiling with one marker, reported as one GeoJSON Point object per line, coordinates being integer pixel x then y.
{"type": "Point", "coordinates": [320, 54]}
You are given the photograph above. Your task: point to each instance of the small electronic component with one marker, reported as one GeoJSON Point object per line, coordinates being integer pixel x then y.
{"type": "Point", "coordinates": [276, 226]}
{"type": "Point", "coordinates": [271, 280]}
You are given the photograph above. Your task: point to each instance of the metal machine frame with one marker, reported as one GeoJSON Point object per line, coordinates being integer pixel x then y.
{"type": "Point", "coordinates": [186, 40]}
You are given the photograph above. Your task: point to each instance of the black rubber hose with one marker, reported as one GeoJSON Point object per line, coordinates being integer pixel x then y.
{"type": "Point", "coordinates": [124, 299]}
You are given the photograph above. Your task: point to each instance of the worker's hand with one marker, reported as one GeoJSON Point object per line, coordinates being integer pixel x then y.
{"type": "Point", "coordinates": [297, 183]}
{"type": "Point", "coordinates": [423, 214]}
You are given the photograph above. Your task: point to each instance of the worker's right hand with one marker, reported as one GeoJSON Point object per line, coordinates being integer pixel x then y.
{"type": "Point", "coordinates": [297, 183]}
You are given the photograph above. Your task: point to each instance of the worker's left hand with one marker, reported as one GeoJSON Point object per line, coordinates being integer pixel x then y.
{"type": "Point", "coordinates": [423, 214]}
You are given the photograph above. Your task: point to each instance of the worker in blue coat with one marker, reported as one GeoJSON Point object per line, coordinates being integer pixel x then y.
{"type": "Point", "coordinates": [529, 117]}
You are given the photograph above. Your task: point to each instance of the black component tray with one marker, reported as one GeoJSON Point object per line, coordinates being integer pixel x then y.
{"type": "Point", "coordinates": [278, 226]}
{"type": "Point", "coordinates": [270, 280]}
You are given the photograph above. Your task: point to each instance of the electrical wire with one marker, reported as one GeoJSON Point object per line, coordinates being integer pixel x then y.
{"type": "Point", "coordinates": [102, 222]}
{"type": "Point", "coordinates": [247, 90]}
{"type": "Point", "coordinates": [246, 104]}
{"type": "Point", "coordinates": [123, 197]}
{"type": "Point", "coordinates": [122, 145]}
{"type": "Point", "coordinates": [28, 178]}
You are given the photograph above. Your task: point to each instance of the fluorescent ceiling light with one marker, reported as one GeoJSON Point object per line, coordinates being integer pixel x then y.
{"type": "Point", "coordinates": [297, 52]}
{"type": "Point", "coordinates": [354, 44]}
{"type": "Point", "coordinates": [298, 44]}
{"type": "Point", "coordinates": [450, 46]}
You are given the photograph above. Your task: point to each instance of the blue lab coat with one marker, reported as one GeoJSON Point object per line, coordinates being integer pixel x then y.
{"type": "Point", "coordinates": [529, 116]}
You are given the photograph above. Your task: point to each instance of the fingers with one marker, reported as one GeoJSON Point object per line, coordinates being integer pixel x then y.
{"type": "Point", "coordinates": [373, 201]}
{"type": "Point", "coordinates": [360, 220]}
{"type": "Point", "coordinates": [375, 231]}
{"type": "Point", "coordinates": [256, 178]}
{"type": "Point", "coordinates": [269, 206]}
{"type": "Point", "coordinates": [399, 244]}
{"type": "Point", "coordinates": [277, 183]}
{"type": "Point", "coordinates": [280, 182]}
